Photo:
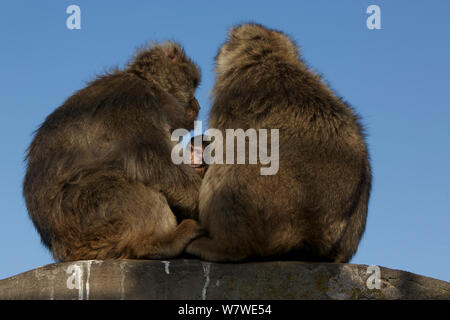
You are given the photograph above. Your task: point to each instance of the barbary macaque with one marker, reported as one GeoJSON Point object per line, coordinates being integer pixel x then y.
{"type": "Point", "coordinates": [100, 183]}
{"type": "Point", "coordinates": [314, 208]}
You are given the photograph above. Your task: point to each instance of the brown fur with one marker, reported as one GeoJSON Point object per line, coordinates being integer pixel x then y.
{"type": "Point", "coordinates": [315, 207]}
{"type": "Point", "coordinates": [100, 183]}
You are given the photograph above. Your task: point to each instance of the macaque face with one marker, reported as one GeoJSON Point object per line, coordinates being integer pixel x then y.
{"type": "Point", "coordinates": [196, 160]}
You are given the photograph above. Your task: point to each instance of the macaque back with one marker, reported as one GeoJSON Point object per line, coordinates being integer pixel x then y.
{"type": "Point", "coordinates": [314, 208]}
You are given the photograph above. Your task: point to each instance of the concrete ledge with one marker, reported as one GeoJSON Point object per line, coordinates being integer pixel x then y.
{"type": "Point", "coordinates": [195, 279]}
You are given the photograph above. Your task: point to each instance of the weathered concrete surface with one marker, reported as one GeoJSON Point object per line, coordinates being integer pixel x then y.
{"type": "Point", "coordinates": [194, 279]}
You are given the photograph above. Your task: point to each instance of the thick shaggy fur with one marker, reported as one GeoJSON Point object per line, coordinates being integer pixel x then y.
{"type": "Point", "coordinates": [100, 183]}
{"type": "Point", "coordinates": [315, 207]}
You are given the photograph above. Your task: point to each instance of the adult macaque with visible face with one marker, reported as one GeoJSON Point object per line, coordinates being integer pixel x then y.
{"type": "Point", "coordinates": [100, 183]}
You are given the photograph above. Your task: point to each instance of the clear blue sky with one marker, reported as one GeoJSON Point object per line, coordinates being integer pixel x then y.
{"type": "Point", "coordinates": [397, 78]}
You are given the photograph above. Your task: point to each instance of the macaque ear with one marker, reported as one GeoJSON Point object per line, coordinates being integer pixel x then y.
{"type": "Point", "coordinates": [173, 51]}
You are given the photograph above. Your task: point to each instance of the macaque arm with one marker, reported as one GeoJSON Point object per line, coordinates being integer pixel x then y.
{"type": "Point", "coordinates": [150, 162]}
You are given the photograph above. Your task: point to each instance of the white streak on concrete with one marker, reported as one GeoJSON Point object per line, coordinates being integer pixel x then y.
{"type": "Point", "coordinates": [52, 293]}
{"type": "Point", "coordinates": [88, 265]}
{"type": "Point", "coordinates": [206, 269]}
{"type": "Point", "coordinates": [166, 266]}
{"type": "Point", "coordinates": [122, 281]}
